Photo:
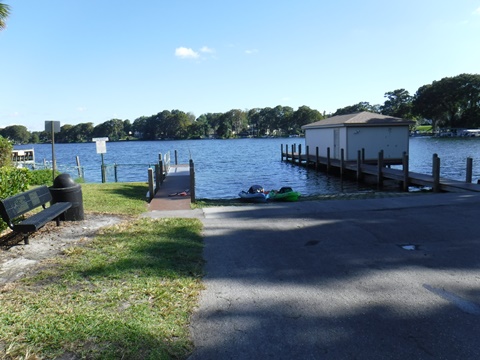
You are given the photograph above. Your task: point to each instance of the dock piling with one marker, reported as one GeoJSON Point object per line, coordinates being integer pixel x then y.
{"type": "Point", "coordinates": [405, 171]}
{"type": "Point", "coordinates": [468, 178]}
{"type": "Point", "coordinates": [328, 160]}
{"type": "Point", "coordinates": [436, 173]}
{"type": "Point", "coordinates": [342, 162]}
{"type": "Point", "coordinates": [380, 169]}
{"type": "Point", "coordinates": [359, 165]}
{"type": "Point", "coordinates": [192, 181]}
{"type": "Point", "coordinates": [150, 184]}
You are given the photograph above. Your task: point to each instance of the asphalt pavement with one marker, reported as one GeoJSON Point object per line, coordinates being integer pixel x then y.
{"type": "Point", "coordinates": [391, 278]}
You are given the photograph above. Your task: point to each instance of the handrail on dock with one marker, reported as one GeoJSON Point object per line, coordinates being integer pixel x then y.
{"type": "Point", "coordinates": [381, 170]}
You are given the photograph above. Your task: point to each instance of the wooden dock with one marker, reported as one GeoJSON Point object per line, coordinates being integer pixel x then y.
{"type": "Point", "coordinates": [171, 187]}
{"type": "Point", "coordinates": [379, 171]}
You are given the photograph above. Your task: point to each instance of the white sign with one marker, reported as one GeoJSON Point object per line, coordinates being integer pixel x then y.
{"type": "Point", "coordinates": [101, 144]}
{"type": "Point", "coordinates": [101, 147]}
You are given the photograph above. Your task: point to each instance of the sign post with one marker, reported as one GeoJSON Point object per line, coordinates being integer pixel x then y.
{"type": "Point", "coordinates": [101, 149]}
{"type": "Point", "coordinates": [53, 127]}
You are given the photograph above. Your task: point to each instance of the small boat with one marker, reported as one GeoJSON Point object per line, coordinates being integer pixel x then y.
{"type": "Point", "coordinates": [23, 157]}
{"type": "Point", "coordinates": [255, 194]}
{"type": "Point", "coordinates": [286, 193]}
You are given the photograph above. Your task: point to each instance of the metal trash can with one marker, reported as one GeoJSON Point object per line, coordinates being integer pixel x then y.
{"type": "Point", "coordinates": [64, 189]}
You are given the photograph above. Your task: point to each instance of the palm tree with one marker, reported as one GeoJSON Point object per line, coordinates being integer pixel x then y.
{"type": "Point", "coordinates": [4, 12]}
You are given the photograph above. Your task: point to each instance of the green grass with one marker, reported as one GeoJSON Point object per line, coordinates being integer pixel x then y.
{"type": "Point", "coordinates": [127, 294]}
{"type": "Point", "coordinates": [115, 198]}
{"type": "Point", "coordinates": [424, 128]}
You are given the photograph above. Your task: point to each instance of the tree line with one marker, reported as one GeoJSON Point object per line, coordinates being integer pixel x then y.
{"type": "Point", "coordinates": [176, 124]}
{"type": "Point", "coordinates": [452, 102]}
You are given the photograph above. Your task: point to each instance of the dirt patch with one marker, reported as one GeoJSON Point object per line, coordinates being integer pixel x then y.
{"type": "Point", "coordinates": [17, 259]}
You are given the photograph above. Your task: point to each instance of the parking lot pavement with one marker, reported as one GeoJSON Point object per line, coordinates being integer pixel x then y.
{"type": "Point", "coordinates": [392, 278]}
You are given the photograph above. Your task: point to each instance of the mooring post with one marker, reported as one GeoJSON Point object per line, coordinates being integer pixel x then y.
{"type": "Point", "coordinates": [342, 161]}
{"type": "Point", "coordinates": [299, 154]}
{"type": "Point", "coordinates": [160, 165]}
{"type": "Point", "coordinates": [316, 158]}
{"type": "Point", "coordinates": [293, 153]}
{"type": "Point", "coordinates": [379, 169]}
{"type": "Point", "coordinates": [359, 165]}
{"type": "Point", "coordinates": [157, 177]}
{"type": "Point", "coordinates": [307, 155]}
{"type": "Point", "coordinates": [436, 173]}
{"type": "Point", "coordinates": [176, 157]}
{"type": "Point", "coordinates": [468, 178]}
{"type": "Point", "coordinates": [79, 168]}
{"type": "Point", "coordinates": [150, 184]}
{"type": "Point", "coordinates": [281, 152]}
{"type": "Point", "coordinates": [363, 155]}
{"type": "Point", "coordinates": [328, 160]}
{"type": "Point", "coordinates": [192, 181]}
{"type": "Point", "coordinates": [405, 171]}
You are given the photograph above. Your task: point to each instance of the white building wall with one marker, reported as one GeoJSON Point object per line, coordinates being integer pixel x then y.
{"type": "Point", "coordinates": [392, 140]}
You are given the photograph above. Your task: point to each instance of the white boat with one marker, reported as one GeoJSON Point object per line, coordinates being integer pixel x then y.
{"type": "Point", "coordinates": [23, 157]}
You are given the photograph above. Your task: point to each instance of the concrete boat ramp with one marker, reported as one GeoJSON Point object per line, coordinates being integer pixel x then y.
{"type": "Point", "coordinates": [387, 278]}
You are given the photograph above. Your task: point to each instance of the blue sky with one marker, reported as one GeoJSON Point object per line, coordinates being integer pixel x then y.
{"type": "Point", "coordinates": [91, 61]}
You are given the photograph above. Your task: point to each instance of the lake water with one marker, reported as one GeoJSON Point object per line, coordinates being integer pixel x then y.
{"type": "Point", "coordinates": [224, 167]}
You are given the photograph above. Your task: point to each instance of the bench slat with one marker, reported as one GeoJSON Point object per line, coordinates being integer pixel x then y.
{"type": "Point", "coordinates": [36, 221]}
{"type": "Point", "coordinates": [19, 204]}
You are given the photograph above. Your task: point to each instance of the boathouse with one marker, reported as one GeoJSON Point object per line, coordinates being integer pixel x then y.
{"type": "Point", "coordinates": [364, 131]}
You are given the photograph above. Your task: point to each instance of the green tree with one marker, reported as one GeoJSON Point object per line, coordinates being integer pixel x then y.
{"type": "Point", "coordinates": [399, 103]}
{"type": "Point", "coordinates": [113, 129]}
{"type": "Point", "coordinates": [303, 116]}
{"type": "Point", "coordinates": [200, 127]}
{"type": "Point", "coordinates": [138, 127]}
{"type": "Point", "coordinates": [34, 138]}
{"type": "Point", "coordinates": [64, 134]}
{"type": "Point", "coordinates": [18, 134]}
{"type": "Point", "coordinates": [213, 121]}
{"type": "Point", "coordinates": [361, 106]}
{"type": "Point", "coordinates": [450, 102]}
{"type": "Point", "coordinates": [6, 148]}
{"type": "Point", "coordinates": [4, 13]}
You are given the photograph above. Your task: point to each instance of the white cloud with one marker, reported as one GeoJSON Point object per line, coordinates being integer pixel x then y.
{"type": "Point", "coordinates": [251, 51]}
{"type": "Point", "coordinates": [206, 49]}
{"type": "Point", "coordinates": [81, 109]}
{"type": "Point", "coordinates": [186, 53]}
{"type": "Point", "coordinates": [477, 12]}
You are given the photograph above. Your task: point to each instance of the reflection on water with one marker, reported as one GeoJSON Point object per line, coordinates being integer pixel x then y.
{"type": "Point", "coordinates": [224, 167]}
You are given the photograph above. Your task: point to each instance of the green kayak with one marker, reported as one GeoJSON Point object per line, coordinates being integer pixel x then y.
{"type": "Point", "coordinates": [284, 194]}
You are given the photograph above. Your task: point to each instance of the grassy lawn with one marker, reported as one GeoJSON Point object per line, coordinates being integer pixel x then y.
{"type": "Point", "coordinates": [127, 294]}
{"type": "Point", "coordinates": [424, 128]}
{"type": "Point", "coordinates": [115, 198]}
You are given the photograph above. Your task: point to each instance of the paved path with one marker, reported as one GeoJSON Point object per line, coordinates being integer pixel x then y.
{"type": "Point", "coordinates": [338, 280]}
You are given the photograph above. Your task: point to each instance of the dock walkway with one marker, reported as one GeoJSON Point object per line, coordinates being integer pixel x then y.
{"type": "Point", "coordinates": [353, 167]}
{"type": "Point", "coordinates": [174, 193]}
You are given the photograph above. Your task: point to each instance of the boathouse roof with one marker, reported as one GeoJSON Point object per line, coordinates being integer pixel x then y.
{"type": "Point", "coordinates": [363, 118]}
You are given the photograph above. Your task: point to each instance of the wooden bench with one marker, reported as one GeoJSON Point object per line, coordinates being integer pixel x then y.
{"type": "Point", "coordinates": [14, 207]}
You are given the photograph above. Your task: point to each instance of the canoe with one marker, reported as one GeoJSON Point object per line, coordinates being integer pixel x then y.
{"type": "Point", "coordinates": [284, 194]}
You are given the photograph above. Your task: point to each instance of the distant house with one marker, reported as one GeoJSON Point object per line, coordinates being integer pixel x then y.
{"type": "Point", "coordinates": [354, 132]}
